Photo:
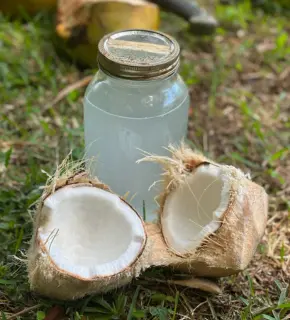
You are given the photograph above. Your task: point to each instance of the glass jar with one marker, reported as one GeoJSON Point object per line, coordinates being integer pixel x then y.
{"type": "Point", "coordinates": [136, 103]}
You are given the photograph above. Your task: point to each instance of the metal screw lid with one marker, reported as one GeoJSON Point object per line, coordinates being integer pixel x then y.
{"type": "Point", "coordinates": [138, 54]}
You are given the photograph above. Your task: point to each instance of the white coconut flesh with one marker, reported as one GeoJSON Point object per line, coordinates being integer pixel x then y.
{"type": "Point", "coordinates": [195, 209]}
{"type": "Point", "coordinates": [90, 232]}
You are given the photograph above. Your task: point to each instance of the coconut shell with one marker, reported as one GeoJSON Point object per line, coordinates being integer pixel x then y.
{"type": "Point", "coordinates": [156, 252]}
{"type": "Point", "coordinates": [230, 249]}
{"type": "Point", "coordinates": [46, 278]}
{"type": "Point", "coordinates": [82, 23]}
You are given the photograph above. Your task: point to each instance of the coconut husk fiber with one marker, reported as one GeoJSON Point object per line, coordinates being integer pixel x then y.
{"type": "Point", "coordinates": [226, 251]}
{"type": "Point", "coordinates": [82, 23]}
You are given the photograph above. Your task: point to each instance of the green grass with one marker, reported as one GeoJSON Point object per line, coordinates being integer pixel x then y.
{"type": "Point", "coordinates": [240, 115]}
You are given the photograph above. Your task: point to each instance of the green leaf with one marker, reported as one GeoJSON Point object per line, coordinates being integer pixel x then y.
{"type": "Point", "coordinates": [139, 314]}
{"type": "Point", "coordinates": [8, 282]}
{"type": "Point", "coordinates": [133, 304]}
{"type": "Point", "coordinates": [77, 316]}
{"type": "Point", "coordinates": [246, 302]}
{"type": "Point", "coordinates": [73, 95]}
{"type": "Point", "coordinates": [96, 310]}
{"type": "Point", "coordinates": [251, 285]}
{"type": "Point", "coordinates": [284, 306]}
{"type": "Point", "coordinates": [283, 296]}
{"type": "Point", "coordinates": [8, 156]}
{"type": "Point", "coordinates": [266, 309]}
{"type": "Point", "coordinates": [258, 317]}
{"type": "Point", "coordinates": [19, 240]}
{"type": "Point", "coordinates": [281, 41]}
{"type": "Point", "coordinates": [279, 284]}
{"type": "Point", "coordinates": [175, 305]}
{"type": "Point", "coordinates": [282, 253]}
{"type": "Point", "coordinates": [84, 305]}
{"type": "Point", "coordinates": [245, 313]}
{"type": "Point", "coordinates": [121, 303]}
{"type": "Point", "coordinates": [238, 157]}
{"type": "Point", "coordinates": [40, 315]}
{"type": "Point", "coordinates": [3, 316]}
{"type": "Point", "coordinates": [268, 317]}
{"type": "Point", "coordinates": [144, 211]}
{"type": "Point", "coordinates": [160, 312]}
{"type": "Point", "coordinates": [105, 304]}
{"type": "Point", "coordinates": [162, 297]}
{"type": "Point", "coordinates": [284, 310]}
{"type": "Point", "coordinates": [276, 315]}
{"type": "Point", "coordinates": [4, 226]}
{"type": "Point", "coordinates": [279, 154]}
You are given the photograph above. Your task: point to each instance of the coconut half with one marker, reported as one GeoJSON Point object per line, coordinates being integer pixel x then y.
{"type": "Point", "coordinates": [86, 240]}
{"type": "Point", "coordinates": [212, 216]}
{"type": "Point", "coordinates": [194, 210]}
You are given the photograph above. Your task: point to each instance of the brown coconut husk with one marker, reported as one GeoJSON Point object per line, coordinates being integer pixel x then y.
{"type": "Point", "coordinates": [157, 253]}
{"type": "Point", "coordinates": [82, 23]}
{"type": "Point", "coordinates": [230, 249]}
{"type": "Point", "coordinates": [44, 275]}
{"type": "Point", "coordinates": [225, 252]}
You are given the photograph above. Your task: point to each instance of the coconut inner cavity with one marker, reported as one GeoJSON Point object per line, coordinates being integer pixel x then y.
{"type": "Point", "coordinates": [90, 232]}
{"type": "Point", "coordinates": [194, 210]}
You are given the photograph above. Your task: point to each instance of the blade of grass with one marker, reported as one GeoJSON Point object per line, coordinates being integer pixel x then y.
{"type": "Point", "coordinates": [175, 305]}
{"type": "Point", "coordinates": [133, 304]}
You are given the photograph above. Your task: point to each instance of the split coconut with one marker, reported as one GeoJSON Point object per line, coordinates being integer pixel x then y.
{"type": "Point", "coordinates": [88, 239]}
{"type": "Point", "coordinates": [212, 216]}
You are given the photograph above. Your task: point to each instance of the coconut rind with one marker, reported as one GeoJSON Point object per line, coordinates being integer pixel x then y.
{"type": "Point", "coordinates": [47, 280]}
{"type": "Point", "coordinates": [45, 277]}
{"type": "Point", "coordinates": [230, 249]}
{"type": "Point", "coordinates": [156, 252]}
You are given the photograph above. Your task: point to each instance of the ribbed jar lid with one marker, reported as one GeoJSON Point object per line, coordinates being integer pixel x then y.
{"type": "Point", "coordinates": [138, 54]}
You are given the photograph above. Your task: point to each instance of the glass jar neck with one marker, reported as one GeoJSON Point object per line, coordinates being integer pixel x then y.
{"type": "Point", "coordinates": [103, 75]}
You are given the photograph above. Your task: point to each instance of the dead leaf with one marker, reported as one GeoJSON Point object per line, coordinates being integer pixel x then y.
{"type": "Point", "coordinates": [198, 283]}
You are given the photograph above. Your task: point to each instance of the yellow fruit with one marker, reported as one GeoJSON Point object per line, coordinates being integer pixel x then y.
{"type": "Point", "coordinates": [82, 23]}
